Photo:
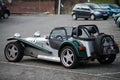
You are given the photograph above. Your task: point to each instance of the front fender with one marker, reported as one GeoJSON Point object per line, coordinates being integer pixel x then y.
{"type": "Point", "coordinates": [30, 44]}
{"type": "Point", "coordinates": [75, 44]}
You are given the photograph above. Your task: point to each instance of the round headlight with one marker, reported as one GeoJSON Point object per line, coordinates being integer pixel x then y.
{"type": "Point", "coordinates": [37, 34]}
{"type": "Point", "coordinates": [17, 35]}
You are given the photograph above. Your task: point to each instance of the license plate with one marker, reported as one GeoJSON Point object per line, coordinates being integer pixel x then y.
{"type": "Point", "coordinates": [105, 14]}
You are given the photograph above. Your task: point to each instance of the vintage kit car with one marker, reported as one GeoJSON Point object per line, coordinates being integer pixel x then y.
{"type": "Point", "coordinates": [68, 45]}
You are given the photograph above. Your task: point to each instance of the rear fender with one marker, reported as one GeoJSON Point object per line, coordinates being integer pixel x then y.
{"type": "Point", "coordinates": [75, 45]}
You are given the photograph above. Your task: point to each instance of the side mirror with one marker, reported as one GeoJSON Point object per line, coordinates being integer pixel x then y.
{"type": "Point", "coordinates": [37, 34]}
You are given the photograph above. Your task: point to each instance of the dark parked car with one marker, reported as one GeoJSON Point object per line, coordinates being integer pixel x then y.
{"type": "Point", "coordinates": [117, 19]}
{"type": "Point", "coordinates": [4, 12]}
{"type": "Point", "coordinates": [112, 8]}
{"type": "Point", "coordinates": [89, 10]}
{"type": "Point", "coordinates": [118, 22]}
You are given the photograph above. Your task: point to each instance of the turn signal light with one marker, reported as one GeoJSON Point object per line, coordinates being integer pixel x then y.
{"type": "Point", "coordinates": [101, 33]}
{"type": "Point", "coordinates": [82, 48]}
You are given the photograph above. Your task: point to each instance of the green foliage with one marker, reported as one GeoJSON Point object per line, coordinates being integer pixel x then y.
{"type": "Point", "coordinates": [103, 1]}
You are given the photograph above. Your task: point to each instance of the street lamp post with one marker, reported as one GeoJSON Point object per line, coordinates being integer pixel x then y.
{"type": "Point", "coordinates": [59, 7]}
{"type": "Point", "coordinates": [88, 0]}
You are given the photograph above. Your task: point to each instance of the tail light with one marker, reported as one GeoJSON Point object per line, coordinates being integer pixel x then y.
{"type": "Point", "coordinates": [116, 45]}
{"type": "Point", "coordinates": [82, 48]}
{"type": "Point", "coordinates": [101, 33]}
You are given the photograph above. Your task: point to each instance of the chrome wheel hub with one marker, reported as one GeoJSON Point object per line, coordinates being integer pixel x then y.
{"type": "Point", "coordinates": [67, 57]}
{"type": "Point", "coordinates": [12, 52]}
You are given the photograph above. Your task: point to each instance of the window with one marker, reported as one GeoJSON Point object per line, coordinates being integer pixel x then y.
{"type": "Point", "coordinates": [59, 34]}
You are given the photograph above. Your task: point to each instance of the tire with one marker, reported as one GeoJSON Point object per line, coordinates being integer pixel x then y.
{"type": "Point", "coordinates": [105, 18]}
{"type": "Point", "coordinates": [107, 59]}
{"type": "Point", "coordinates": [118, 24]}
{"type": "Point", "coordinates": [14, 52]}
{"type": "Point", "coordinates": [113, 14]}
{"type": "Point", "coordinates": [74, 17]}
{"type": "Point", "coordinates": [6, 16]}
{"type": "Point", "coordinates": [68, 57]}
{"type": "Point", "coordinates": [105, 49]}
{"type": "Point", "coordinates": [104, 44]}
{"type": "Point", "coordinates": [86, 18]}
{"type": "Point", "coordinates": [92, 17]}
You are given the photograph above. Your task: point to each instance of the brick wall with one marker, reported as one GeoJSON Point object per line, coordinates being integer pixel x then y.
{"type": "Point", "coordinates": [31, 7]}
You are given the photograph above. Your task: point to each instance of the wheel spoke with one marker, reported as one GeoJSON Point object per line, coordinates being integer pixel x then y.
{"type": "Point", "coordinates": [68, 57]}
{"type": "Point", "coordinates": [108, 45]}
{"type": "Point", "coordinates": [12, 51]}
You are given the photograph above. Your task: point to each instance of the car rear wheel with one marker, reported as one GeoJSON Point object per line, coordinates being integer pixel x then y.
{"type": "Point", "coordinates": [92, 17]}
{"type": "Point", "coordinates": [68, 57]}
{"type": "Point", "coordinates": [6, 16]}
{"type": "Point", "coordinates": [14, 52]}
{"type": "Point", "coordinates": [74, 17]}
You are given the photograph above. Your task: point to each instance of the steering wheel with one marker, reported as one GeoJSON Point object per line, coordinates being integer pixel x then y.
{"type": "Point", "coordinates": [59, 37]}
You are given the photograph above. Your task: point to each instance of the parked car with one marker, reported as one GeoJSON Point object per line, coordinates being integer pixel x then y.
{"type": "Point", "coordinates": [118, 22]}
{"type": "Point", "coordinates": [117, 19]}
{"type": "Point", "coordinates": [112, 8]}
{"type": "Point", "coordinates": [68, 45]}
{"type": "Point", "coordinates": [88, 10]}
{"type": "Point", "coordinates": [4, 12]}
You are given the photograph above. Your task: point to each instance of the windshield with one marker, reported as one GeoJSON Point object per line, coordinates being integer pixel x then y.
{"type": "Point", "coordinates": [69, 30]}
{"type": "Point", "coordinates": [104, 6]}
{"type": "Point", "coordinates": [94, 6]}
{"type": "Point", "coordinates": [114, 6]}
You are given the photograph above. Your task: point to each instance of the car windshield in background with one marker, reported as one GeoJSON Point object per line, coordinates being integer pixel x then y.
{"type": "Point", "coordinates": [104, 6]}
{"type": "Point", "coordinates": [94, 6]}
{"type": "Point", "coordinates": [114, 6]}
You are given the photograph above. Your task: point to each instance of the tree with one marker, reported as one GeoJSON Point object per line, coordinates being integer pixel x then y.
{"type": "Point", "coordinates": [117, 2]}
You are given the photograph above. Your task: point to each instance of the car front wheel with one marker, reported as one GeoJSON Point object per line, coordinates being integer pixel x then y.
{"type": "Point", "coordinates": [14, 52]}
{"type": "Point", "coordinates": [68, 57]}
{"type": "Point", "coordinates": [92, 17]}
{"type": "Point", "coordinates": [74, 17]}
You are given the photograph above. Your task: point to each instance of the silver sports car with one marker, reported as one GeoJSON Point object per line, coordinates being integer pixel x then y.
{"type": "Point", "coordinates": [68, 45]}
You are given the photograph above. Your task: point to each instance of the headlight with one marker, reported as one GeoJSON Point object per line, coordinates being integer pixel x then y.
{"type": "Point", "coordinates": [17, 35]}
{"type": "Point", "coordinates": [37, 34]}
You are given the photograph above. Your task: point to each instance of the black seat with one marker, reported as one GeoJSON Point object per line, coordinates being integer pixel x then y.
{"type": "Point", "coordinates": [92, 30]}
{"type": "Point", "coordinates": [76, 32]}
